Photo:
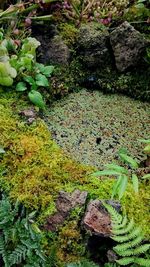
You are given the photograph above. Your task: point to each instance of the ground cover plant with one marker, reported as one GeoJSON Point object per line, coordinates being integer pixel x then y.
{"type": "Point", "coordinates": [19, 61]}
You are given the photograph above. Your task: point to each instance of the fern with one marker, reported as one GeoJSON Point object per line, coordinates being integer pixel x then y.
{"type": "Point", "coordinates": [130, 238]}
{"type": "Point", "coordinates": [20, 243]}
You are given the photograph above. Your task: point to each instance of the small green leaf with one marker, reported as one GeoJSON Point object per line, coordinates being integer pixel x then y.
{"type": "Point", "coordinates": [21, 86]}
{"type": "Point", "coordinates": [48, 70]}
{"type": "Point", "coordinates": [122, 186]}
{"type": "Point", "coordinates": [37, 99]}
{"type": "Point", "coordinates": [135, 183]}
{"type": "Point", "coordinates": [116, 186]}
{"type": "Point", "coordinates": [129, 160]}
{"type": "Point", "coordinates": [116, 168]}
{"type": "Point", "coordinates": [146, 176]}
{"type": "Point", "coordinates": [41, 80]}
{"type": "Point", "coordinates": [29, 79]}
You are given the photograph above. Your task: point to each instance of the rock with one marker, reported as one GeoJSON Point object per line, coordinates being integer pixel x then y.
{"type": "Point", "coordinates": [93, 44]}
{"type": "Point", "coordinates": [57, 52]}
{"type": "Point", "coordinates": [97, 219]}
{"type": "Point", "coordinates": [128, 46]}
{"type": "Point", "coordinates": [64, 204]}
{"type": "Point", "coordinates": [111, 255]}
{"type": "Point", "coordinates": [53, 50]}
{"type": "Point", "coordinates": [29, 114]}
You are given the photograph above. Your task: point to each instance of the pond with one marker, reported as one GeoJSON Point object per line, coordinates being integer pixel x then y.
{"type": "Point", "coordinates": [91, 126]}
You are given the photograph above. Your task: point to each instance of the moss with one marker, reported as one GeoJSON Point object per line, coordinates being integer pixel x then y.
{"type": "Point", "coordinates": [71, 245]}
{"type": "Point", "coordinates": [68, 33]}
{"type": "Point", "coordinates": [34, 169]}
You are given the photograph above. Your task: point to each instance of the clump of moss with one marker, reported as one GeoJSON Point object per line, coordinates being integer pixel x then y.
{"type": "Point", "coordinates": [68, 33]}
{"type": "Point", "coordinates": [35, 167]}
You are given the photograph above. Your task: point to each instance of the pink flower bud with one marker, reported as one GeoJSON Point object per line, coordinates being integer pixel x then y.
{"type": "Point", "coordinates": [16, 32]}
{"type": "Point", "coordinates": [28, 22]}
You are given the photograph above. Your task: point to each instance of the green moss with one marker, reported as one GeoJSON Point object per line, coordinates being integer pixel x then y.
{"type": "Point", "coordinates": [68, 33]}
{"type": "Point", "coordinates": [34, 169]}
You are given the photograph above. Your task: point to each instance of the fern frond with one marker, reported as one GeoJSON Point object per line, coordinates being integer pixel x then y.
{"type": "Point", "coordinates": [142, 262]}
{"type": "Point", "coordinates": [129, 244]}
{"type": "Point", "coordinates": [124, 230]}
{"type": "Point", "coordinates": [133, 234]}
{"type": "Point", "coordinates": [130, 252]}
{"type": "Point", "coordinates": [142, 249]}
{"type": "Point", "coordinates": [125, 261]}
{"type": "Point", "coordinates": [130, 237]}
{"type": "Point", "coordinates": [18, 254]}
{"type": "Point", "coordinates": [115, 216]}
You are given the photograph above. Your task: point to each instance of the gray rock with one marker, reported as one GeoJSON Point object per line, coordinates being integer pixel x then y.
{"type": "Point", "coordinates": [58, 52]}
{"type": "Point", "coordinates": [93, 43]}
{"type": "Point", "coordinates": [128, 46]}
{"type": "Point", "coordinates": [97, 219]}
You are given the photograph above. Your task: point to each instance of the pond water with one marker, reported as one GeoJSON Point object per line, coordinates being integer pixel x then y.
{"type": "Point", "coordinates": [91, 127]}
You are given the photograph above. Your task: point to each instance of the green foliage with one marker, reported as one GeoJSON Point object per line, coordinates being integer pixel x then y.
{"type": "Point", "coordinates": [122, 173]}
{"type": "Point", "coordinates": [22, 65]}
{"type": "Point", "coordinates": [130, 239]}
{"type": "Point", "coordinates": [138, 11]}
{"type": "Point", "coordinates": [20, 239]}
{"type": "Point", "coordinates": [84, 263]}
{"type": "Point", "coordinates": [110, 265]}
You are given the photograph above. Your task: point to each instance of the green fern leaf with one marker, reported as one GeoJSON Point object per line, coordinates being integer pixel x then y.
{"type": "Point", "coordinates": [142, 249]}
{"type": "Point", "coordinates": [116, 217]}
{"type": "Point", "coordinates": [121, 225]}
{"type": "Point", "coordinates": [18, 255]}
{"type": "Point", "coordinates": [117, 168]}
{"type": "Point", "coordinates": [121, 239]}
{"type": "Point", "coordinates": [135, 183]}
{"type": "Point", "coordinates": [126, 261]}
{"type": "Point", "coordinates": [142, 262]}
{"type": "Point", "coordinates": [122, 186]}
{"type": "Point", "coordinates": [124, 230]}
{"type": "Point", "coordinates": [124, 246]}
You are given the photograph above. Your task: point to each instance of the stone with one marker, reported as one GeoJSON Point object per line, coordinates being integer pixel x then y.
{"type": "Point", "coordinates": [53, 49]}
{"type": "Point", "coordinates": [29, 114]}
{"type": "Point", "coordinates": [58, 52]}
{"type": "Point", "coordinates": [111, 255]}
{"type": "Point", "coordinates": [93, 45]}
{"type": "Point", "coordinates": [97, 219]}
{"type": "Point", "coordinates": [128, 46]}
{"type": "Point", "coordinates": [64, 204]}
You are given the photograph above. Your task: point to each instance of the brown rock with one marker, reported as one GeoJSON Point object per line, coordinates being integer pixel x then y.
{"type": "Point", "coordinates": [64, 203]}
{"type": "Point", "coordinates": [96, 219]}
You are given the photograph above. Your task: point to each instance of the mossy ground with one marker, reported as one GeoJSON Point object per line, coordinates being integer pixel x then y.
{"type": "Point", "coordinates": [34, 169]}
